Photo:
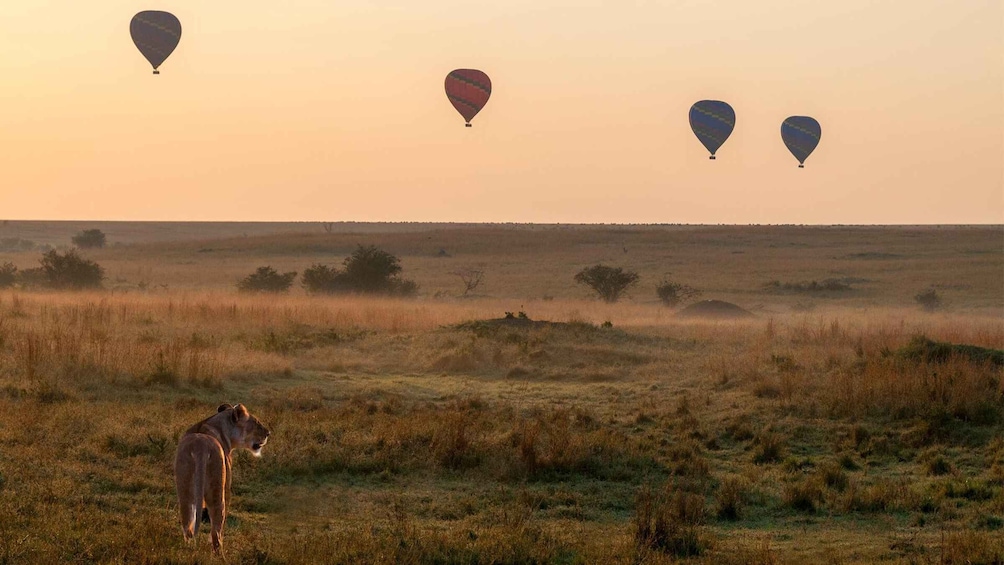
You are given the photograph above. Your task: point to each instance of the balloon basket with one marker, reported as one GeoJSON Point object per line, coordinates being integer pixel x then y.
{"type": "Point", "coordinates": [712, 157]}
{"type": "Point", "coordinates": [801, 166]}
{"type": "Point", "coordinates": [467, 125]}
{"type": "Point", "coordinates": [156, 72]}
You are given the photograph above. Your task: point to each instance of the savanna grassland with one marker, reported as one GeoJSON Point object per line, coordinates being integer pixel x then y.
{"type": "Point", "coordinates": [834, 426]}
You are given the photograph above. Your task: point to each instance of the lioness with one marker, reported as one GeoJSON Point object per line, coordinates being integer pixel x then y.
{"type": "Point", "coordinates": [202, 466]}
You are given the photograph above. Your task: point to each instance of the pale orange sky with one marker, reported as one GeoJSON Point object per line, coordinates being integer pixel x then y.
{"type": "Point", "coordinates": [323, 110]}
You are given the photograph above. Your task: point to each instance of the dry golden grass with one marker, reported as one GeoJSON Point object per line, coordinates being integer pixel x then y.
{"type": "Point", "coordinates": [401, 436]}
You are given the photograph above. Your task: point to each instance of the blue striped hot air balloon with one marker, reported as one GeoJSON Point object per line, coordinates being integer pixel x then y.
{"type": "Point", "coordinates": [801, 134]}
{"type": "Point", "coordinates": [712, 122]}
{"type": "Point", "coordinates": [155, 34]}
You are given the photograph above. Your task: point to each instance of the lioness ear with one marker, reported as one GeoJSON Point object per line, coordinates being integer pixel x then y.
{"type": "Point", "coordinates": [240, 413]}
{"type": "Point", "coordinates": [223, 407]}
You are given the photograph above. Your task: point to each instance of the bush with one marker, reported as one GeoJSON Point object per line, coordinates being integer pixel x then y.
{"type": "Point", "coordinates": [16, 244]}
{"type": "Point", "coordinates": [322, 279]}
{"type": "Point", "coordinates": [69, 271]}
{"type": "Point", "coordinates": [8, 275]}
{"type": "Point", "coordinates": [608, 282]}
{"type": "Point", "coordinates": [89, 239]}
{"type": "Point", "coordinates": [929, 300]}
{"type": "Point", "coordinates": [266, 279]}
{"type": "Point", "coordinates": [32, 278]}
{"type": "Point", "coordinates": [673, 294]}
{"type": "Point", "coordinates": [371, 269]}
{"type": "Point", "coordinates": [368, 270]}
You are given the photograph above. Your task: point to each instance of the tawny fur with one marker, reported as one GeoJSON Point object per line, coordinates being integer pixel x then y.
{"type": "Point", "coordinates": [202, 466]}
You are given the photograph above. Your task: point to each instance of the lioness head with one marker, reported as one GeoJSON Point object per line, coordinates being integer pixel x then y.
{"type": "Point", "coordinates": [248, 432]}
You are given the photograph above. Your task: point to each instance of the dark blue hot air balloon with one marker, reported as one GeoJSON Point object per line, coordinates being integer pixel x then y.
{"type": "Point", "coordinates": [712, 122]}
{"type": "Point", "coordinates": [801, 134]}
{"type": "Point", "coordinates": [156, 34]}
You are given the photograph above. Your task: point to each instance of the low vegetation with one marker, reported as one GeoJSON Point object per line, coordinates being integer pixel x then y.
{"type": "Point", "coordinates": [570, 431]}
{"type": "Point", "coordinates": [928, 300]}
{"type": "Point", "coordinates": [266, 279]}
{"type": "Point", "coordinates": [673, 294]}
{"type": "Point", "coordinates": [65, 271]}
{"type": "Point", "coordinates": [368, 270]}
{"type": "Point", "coordinates": [90, 239]}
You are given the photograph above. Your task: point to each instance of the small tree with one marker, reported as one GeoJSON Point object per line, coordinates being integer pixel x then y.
{"type": "Point", "coordinates": [370, 269]}
{"type": "Point", "coordinates": [89, 239]}
{"type": "Point", "coordinates": [322, 279]}
{"type": "Point", "coordinates": [8, 275]}
{"type": "Point", "coordinates": [266, 279]}
{"type": "Point", "coordinates": [71, 271]}
{"type": "Point", "coordinates": [608, 282]}
{"type": "Point", "coordinates": [471, 277]}
{"type": "Point", "coordinates": [673, 294]}
{"type": "Point", "coordinates": [929, 299]}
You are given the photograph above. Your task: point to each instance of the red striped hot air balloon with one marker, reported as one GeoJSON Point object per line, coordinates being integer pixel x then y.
{"type": "Point", "coordinates": [155, 34]}
{"type": "Point", "coordinates": [468, 91]}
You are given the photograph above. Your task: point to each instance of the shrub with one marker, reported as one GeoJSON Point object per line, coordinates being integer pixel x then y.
{"type": "Point", "coordinates": [70, 271]}
{"type": "Point", "coordinates": [672, 293]}
{"type": "Point", "coordinates": [16, 244]}
{"type": "Point", "coordinates": [8, 275]}
{"type": "Point", "coordinates": [89, 239]}
{"type": "Point", "coordinates": [929, 299]}
{"type": "Point", "coordinates": [368, 270]}
{"type": "Point", "coordinates": [266, 279]}
{"type": "Point", "coordinates": [322, 279]}
{"type": "Point", "coordinates": [608, 282]}
{"type": "Point", "coordinates": [32, 278]}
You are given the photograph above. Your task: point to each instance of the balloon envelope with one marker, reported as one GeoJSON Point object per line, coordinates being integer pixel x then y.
{"type": "Point", "coordinates": [468, 91]}
{"type": "Point", "coordinates": [801, 134]}
{"type": "Point", "coordinates": [712, 122]}
{"type": "Point", "coordinates": [155, 34]}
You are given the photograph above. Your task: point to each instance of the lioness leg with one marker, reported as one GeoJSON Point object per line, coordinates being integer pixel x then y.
{"type": "Point", "coordinates": [216, 501]}
{"type": "Point", "coordinates": [189, 493]}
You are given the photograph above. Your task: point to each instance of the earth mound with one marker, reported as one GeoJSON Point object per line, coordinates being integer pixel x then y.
{"type": "Point", "coordinates": [714, 310]}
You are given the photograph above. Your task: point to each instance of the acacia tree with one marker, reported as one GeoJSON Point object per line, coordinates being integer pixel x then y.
{"type": "Point", "coordinates": [471, 277]}
{"type": "Point", "coordinates": [608, 282]}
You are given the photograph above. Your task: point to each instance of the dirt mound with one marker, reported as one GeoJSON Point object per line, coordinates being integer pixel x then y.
{"type": "Point", "coordinates": [715, 310]}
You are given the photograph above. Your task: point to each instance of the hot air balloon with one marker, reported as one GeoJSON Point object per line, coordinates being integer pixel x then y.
{"type": "Point", "coordinates": [712, 122]}
{"type": "Point", "coordinates": [468, 91]}
{"type": "Point", "coordinates": [801, 134]}
{"type": "Point", "coordinates": [155, 34]}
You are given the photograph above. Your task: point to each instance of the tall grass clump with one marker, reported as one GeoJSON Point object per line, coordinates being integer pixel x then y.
{"type": "Point", "coordinates": [670, 522]}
